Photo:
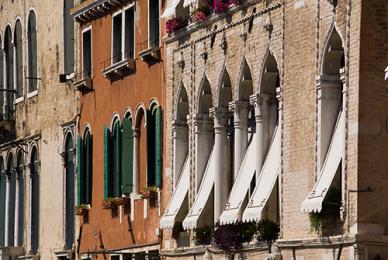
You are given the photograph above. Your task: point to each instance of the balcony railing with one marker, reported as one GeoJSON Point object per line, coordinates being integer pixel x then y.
{"type": "Point", "coordinates": [120, 65]}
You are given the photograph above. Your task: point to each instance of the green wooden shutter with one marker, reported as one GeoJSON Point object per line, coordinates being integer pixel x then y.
{"type": "Point", "coordinates": [107, 163]}
{"type": "Point", "coordinates": [127, 156]}
{"type": "Point", "coordinates": [80, 171]}
{"type": "Point", "coordinates": [118, 159]}
{"type": "Point", "coordinates": [158, 147]}
{"type": "Point", "coordinates": [88, 168]}
{"type": "Point", "coordinates": [150, 150]}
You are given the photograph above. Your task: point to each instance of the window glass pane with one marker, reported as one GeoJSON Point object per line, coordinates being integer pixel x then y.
{"type": "Point", "coordinates": [129, 33]}
{"type": "Point", "coordinates": [68, 37]}
{"type": "Point", "coordinates": [32, 55]}
{"type": "Point", "coordinates": [153, 23]}
{"type": "Point", "coordinates": [117, 31]}
{"type": "Point", "coordinates": [87, 54]}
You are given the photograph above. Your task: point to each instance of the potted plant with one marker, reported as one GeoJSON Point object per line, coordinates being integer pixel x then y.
{"type": "Point", "coordinates": [109, 203]}
{"type": "Point", "coordinates": [82, 210]}
{"type": "Point", "coordinates": [151, 193]}
{"type": "Point", "coordinates": [203, 235]}
{"type": "Point", "coordinates": [268, 231]}
{"type": "Point", "coordinates": [120, 201]}
{"type": "Point", "coordinates": [175, 23]}
{"type": "Point", "coordinates": [221, 6]}
{"type": "Point", "coordinates": [201, 13]}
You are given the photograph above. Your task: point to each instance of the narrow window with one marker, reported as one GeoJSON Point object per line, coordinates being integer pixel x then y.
{"type": "Point", "coordinates": [117, 39]}
{"type": "Point", "coordinates": [34, 172]}
{"type": "Point", "coordinates": [9, 77]}
{"type": "Point", "coordinates": [87, 54]}
{"type": "Point", "coordinates": [154, 147]}
{"type": "Point", "coordinates": [1, 82]}
{"type": "Point", "coordinates": [116, 160]}
{"type": "Point", "coordinates": [130, 32]}
{"type": "Point", "coordinates": [18, 42]}
{"type": "Point", "coordinates": [20, 200]}
{"type": "Point", "coordinates": [68, 36]}
{"type": "Point", "coordinates": [32, 53]}
{"type": "Point", "coordinates": [11, 200]}
{"type": "Point", "coordinates": [153, 23]}
{"type": "Point", "coordinates": [69, 166]}
{"type": "Point", "coordinates": [88, 162]}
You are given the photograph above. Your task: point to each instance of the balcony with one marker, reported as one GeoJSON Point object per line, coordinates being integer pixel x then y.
{"type": "Point", "coordinates": [151, 55]}
{"type": "Point", "coordinates": [83, 81]}
{"type": "Point", "coordinates": [119, 66]}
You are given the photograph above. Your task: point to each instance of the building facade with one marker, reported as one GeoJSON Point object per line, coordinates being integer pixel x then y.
{"type": "Point", "coordinates": [38, 118]}
{"type": "Point", "coordinates": [120, 144]}
{"type": "Point", "coordinates": [276, 110]}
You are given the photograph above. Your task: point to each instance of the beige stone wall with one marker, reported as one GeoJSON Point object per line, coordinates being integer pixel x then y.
{"type": "Point", "coordinates": [42, 115]}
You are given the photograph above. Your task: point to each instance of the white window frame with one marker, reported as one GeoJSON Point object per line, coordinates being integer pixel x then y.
{"type": "Point", "coordinates": [84, 30]}
{"type": "Point", "coordinates": [122, 11]}
{"type": "Point", "coordinates": [148, 20]}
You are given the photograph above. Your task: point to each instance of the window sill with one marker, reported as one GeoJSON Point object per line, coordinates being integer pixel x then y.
{"type": "Point", "coordinates": [32, 94]}
{"type": "Point", "coordinates": [150, 55]}
{"type": "Point", "coordinates": [120, 69]}
{"type": "Point", "coordinates": [19, 100]}
{"type": "Point", "coordinates": [84, 85]}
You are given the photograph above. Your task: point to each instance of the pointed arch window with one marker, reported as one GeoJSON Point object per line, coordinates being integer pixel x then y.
{"type": "Point", "coordinates": [18, 43]}
{"type": "Point", "coordinates": [34, 214]}
{"type": "Point", "coordinates": [69, 171]}
{"type": "Point", "coordinates": [32, 53]}
{"type": "Point", "coordinates": [2, 77]}
{"type": "Point", "coordinates": [9, 72]}
{"type": "Point", "coordinates": [84, 153]}
{"type": "Point", "coordinates": [19, 215]}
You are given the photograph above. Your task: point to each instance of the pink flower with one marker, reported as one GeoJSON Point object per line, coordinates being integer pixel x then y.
{"type": "Point", "coordinates": [200, 16]}
{"type": "Point", "coordinates": [175, 24]}
{"type": "Point", "coordinates": [220, 6]}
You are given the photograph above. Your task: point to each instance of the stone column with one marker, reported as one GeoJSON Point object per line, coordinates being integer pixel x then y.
{"type": "Point", "coordinates": [203, 131]}
{"type": "Point", "coordinates": [329, 102]}
{"type": "Point", "coordinates": [260, 103]}
{"type": "Point", "coordinates": [7, 204]}
{"type": "Point", "coordinates": [180, 142]}
{"type": "Point", "coordinates": [240, 116]}
{"type": "Point", "coordinates": [136, 147]}
{"type": "Point", "coordinates": [221, 169]}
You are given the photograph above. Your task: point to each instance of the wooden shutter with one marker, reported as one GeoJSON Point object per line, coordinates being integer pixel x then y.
{"type": "Point", "coordinates": [127, 156]}
{"type": "Point", "coordinates": [88, 168]}
{"type": "Point", "coordinates": [158, 147]}
{"type": "Point", "coordinates": [107, 163]}
{"type": "Point", "coordinates": [80, 171]}
{"type": "Point", "coordinates": [150, 150]}
{"type": "Point", "coordinates": [117, 158]}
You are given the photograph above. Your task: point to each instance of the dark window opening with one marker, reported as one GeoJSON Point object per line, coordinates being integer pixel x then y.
{"type": "Point", "coordinates": [68, 37]}
{"type": "Point", "coordinates": [129, 33]}
{"type": "Point", "coordinates": [87, 54]}
{"type": "Point", "coordinates": [32, 53]}
{"type": "Point", "coordinates": [117, 38]}
{"type": "Point", "coordinates": [153, 23]}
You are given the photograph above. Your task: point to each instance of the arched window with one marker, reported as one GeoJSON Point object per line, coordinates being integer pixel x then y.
{"type": "Point", "coordinates": [19, 212]}
{"type": "Point", "coordinates": [127, 155]}
{"type": "Point", "coordinates": [69, 170]}
{"type": "Point", "coordinates": [18, 42]}
{"type": "Point", "coordinates": [154, 146]}
{"type": "Point", "coordinates": [34, 214]}
{"type": "Point", "coordinates": [1, 81]}
{"type": "Point", "coordinates": [2, 201]}
{"type": "Point", "coordinates": [11, 200]}
{"type": "Point", "coordinates": [9, 66]}
{"type": "Point", "coordinates": [112, 158]}
{"type": "Point", "coordinates": [85, 162]}
{"type": "Point", "coordinates": [32, 53]}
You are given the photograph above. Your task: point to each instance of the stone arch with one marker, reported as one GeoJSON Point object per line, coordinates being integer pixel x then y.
{"type": "Point", "coordinates": [224, 92]}
{"type": "Point", "coordinates": [182, 104]}
{"type": "Point", "coordinates": [269, 79]}
{"type": "Point", "coordinates": [333, 58]}
{"type": "Point", "coordinates": [245, 86]}
{"type": "Point", "coordinates": [205, 96]}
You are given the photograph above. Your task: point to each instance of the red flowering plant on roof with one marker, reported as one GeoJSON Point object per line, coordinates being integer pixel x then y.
{"type": "Point", "coordinates": [201, 13]}
{"type": "Point", "coordinates": [221, 6]}
{"type": "Point", "coordinates": [237, 2]}
{"type": "Point", "coordinates": [174, 24]}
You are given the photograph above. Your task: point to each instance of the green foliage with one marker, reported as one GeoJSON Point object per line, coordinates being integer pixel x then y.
{"type": "Point", "coordinates": [203, 236]}
{"type": "Point", "coordinates": [327, 219]}
{"type": "Point", "coordinates": [268, 230]}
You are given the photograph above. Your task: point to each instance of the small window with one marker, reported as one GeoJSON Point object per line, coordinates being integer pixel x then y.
{"type": "Point", "coordinates": [32, 55]}
{"type": "Point", "coordinates": [87, 54]}
{"type": "Point", "coordinates": [117, 39]}
{"type": "Point", "coordinates": [123, 35]}
{"type": "Point", "coordinates": [153, 23]}
{"type": "Point", "coordinates": [68, 36]}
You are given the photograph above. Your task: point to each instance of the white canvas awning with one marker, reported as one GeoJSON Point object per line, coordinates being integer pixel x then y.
{"type": "Point", "coordinates": [233, 209]}
{"type": "Point", "coordinates": [170, 9]}
{"type": "Point", "coordinates": [187, 3]}
{"type": "Point", "coordinates": [202, 197]}
{"type": "Point", "coordinates": [168, 219]}
{"type": "Point", "coordinates": [313, 203]}
{"type": "Point", "coordinates": [267, 180]}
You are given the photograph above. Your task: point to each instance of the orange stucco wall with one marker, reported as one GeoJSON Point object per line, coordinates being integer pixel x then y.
{"type": "Point", "coordinates": [104, 230]}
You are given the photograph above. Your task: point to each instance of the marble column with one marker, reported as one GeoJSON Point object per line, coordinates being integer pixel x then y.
{"type": "Point", "coordinates": [221, 169]}
{"type": "Point", "coordinates": [240, 116]}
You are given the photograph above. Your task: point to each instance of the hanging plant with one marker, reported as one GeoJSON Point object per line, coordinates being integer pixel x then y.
{"type": "Point", "coordinates": [221, 6]}
{"type": "Point", "coordinates": [201, 13]}
{"type": "Point", "coordinates": [174, 24]}
{"type": "Point", "coordinates": [268, 231]}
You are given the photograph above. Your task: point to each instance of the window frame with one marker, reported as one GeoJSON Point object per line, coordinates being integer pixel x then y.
{"type": "Point", "coordinates": [34, 92]}
{"type": "Point", "coordinates": [123, 13]}
{"type": "Point", "coordinates": [83, 31]}
{"type": "Point", "coordinates": [16, 65]}
{"type": "Point", "coordinates": [150, 45]}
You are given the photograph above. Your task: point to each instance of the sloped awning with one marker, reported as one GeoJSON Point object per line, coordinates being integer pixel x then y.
{"type": "Point", "coordinates": [187, 3]}
{"type": "Point", "coordinates": [171, 8]}
{"type": "Point", "coordinates": [177, 199]}
{"type": "Point", "coordinates": [247, 170]}
{"type": "Point", "coordinates": [313, 203]}
{"type": "Point", "coordinates": [267, 180]}
{"type": "Point", "coordinates": [202, 197]}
